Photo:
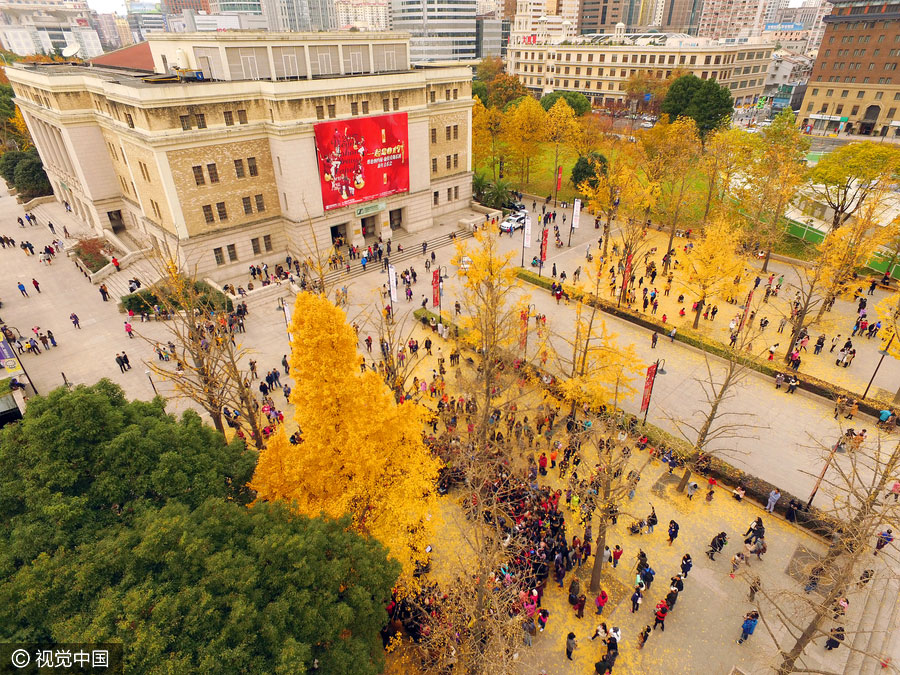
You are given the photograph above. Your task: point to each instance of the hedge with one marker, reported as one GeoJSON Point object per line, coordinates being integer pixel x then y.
{"type": "Point", "coordinates": [144, 299]}
{"type": "Point", "coordinates": [807, 382]}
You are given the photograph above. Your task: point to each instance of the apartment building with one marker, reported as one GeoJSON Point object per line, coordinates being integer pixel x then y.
{"type": "Point", "coordinates": [599, 67]}
{"type": "Point", "coordinates": [288, 137]}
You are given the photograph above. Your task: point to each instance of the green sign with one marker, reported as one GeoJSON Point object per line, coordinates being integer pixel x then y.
{"type": "Point", "coordinates": [369, 209]}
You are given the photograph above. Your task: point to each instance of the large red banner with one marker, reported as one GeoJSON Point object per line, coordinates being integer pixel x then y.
{"type": "Point", "coordinates": [436, 288]}
{"type": "Point", "coordinates": [362, 159]}
{"type": "Point", "coordinates": [648, 387]}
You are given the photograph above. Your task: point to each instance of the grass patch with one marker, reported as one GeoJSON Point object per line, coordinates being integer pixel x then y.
{"type": "Point", "coordinates": [797, 248]}
{"type": "Point", "coordinates": [144, 300]}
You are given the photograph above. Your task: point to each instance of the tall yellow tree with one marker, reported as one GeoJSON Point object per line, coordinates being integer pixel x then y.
{"type": "Point", "coordinates": [724, 153]}
{"type": "Point", "coordinates": [361, 453]}
{"type": "Point", "coordinates": [562, 127]}
{"type": "Point", "coordinates": [774, 171]}
{"type": "Point", "coordinates": [487, 131]}
{"type": "Point", "coordinates": [713, 264]}
{"type": "Point", "coordinates": [523, 130]}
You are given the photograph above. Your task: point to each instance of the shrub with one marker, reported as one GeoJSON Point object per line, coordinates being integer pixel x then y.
{"type": "Point", "coordinates": [90, 251]}
{"type": "Point", "coordinates": [30, 179]}
{"type": "Point", "coordinates": [144, 299]}
{"type": "Point", "coordinates": [8, 162]}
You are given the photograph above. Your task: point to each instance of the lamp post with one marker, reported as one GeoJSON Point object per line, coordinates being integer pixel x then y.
{"type": "Point", "coordinates": [147, 373]}
{"type": "Point", "coordinates": [883, 354]}
{"type": "Point", "coordinates": [529, 312]}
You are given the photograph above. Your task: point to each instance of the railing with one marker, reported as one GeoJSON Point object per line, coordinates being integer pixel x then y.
{"type": "Point", "coordinates": [124, 261]}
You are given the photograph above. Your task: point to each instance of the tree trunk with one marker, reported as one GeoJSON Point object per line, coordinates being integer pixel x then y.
{"type": "Point", "coordinates": [597, 569]}
{"type": "Point", "coordinates": [765, 267]}
{"type": "Point", "coordinates": [607, 228]}
{"type": "Point", "coordinates": [709, 196]}
{"type": "Point", "coordinates": [700, 303]}
{"type": "Point", "coordinates": [708, 422]}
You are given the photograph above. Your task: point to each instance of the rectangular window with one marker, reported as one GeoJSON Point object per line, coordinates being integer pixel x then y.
{"type": "Point", "coordinates": [448, 161]}
{"type": "Point", "coordinates": [320, 112]}
{"type": "Point", "coordinates": [449, 194]}
{"type": "Point", "coordinates": [201, 120]}
{"type": "Point", "coordinates": [331, 110]}
{"type": "Point", "coordinates": [447, 133]}
{"type": "Point", "coordinates": [455, 94]}
{"type": "Point", "coordinates": [365, 107]}
{"type": "Point", "coordinates": [232, 253]}
{"type": "Point", "coordinates": [198, 175]}
{"type": "Point", "coordinates": [434, 165]}
{"type": "Point", "coordinates": [396, 103]}
{"type": "Point", "coordinates": [254, 243]}
{"type": "Point", "coordinates": [434, 135]}
{"type": "Point", "coordinates": [229, 118]}
{"type": "Point", "coordinates": [455, 132]}
{"type": "Point", "coordinates": [435, 197]}
{"type": "Point", "coordinates": [251, 166]}
{"type": "Point", "coordinates": [386, 104]}
{"type": "Point", "coordinates": [213, 173]}
{"type": "Point", "coordinates": [155, 208]}
{"type": "Point", "coordinates": [222, 211]}
{"type": "Point", "coordinates": [267, 241]}
{"type": "Point", "coordinates": [144, 172]}
{"type": "Point", "coordinates": [430, 97]}
{"type": "Point", "coordinates": [354, 108]}
{"type": "Point", "coordinates": [239, 168]}
{"type": "Point", "coordinates": [260, 203]}
{"type": "Point", "coordinates": [456, 161]}
{"type": "Point", "coordinates": [220, 258]}
{"type": "Point", "coordinates": [185, 122]}
{"type": "Point", "coordinates": [446, 94]}
{"type": "Point", "coordinates": [456, 192]}
{"type": "Point", "coordinates": [130, 120]}
{"type": "Point", "coordinates": [248, 206]}
{"type": "Point", "coordinates": [208, 214]}
{"type": "Point", "coordinates": [242, 117]}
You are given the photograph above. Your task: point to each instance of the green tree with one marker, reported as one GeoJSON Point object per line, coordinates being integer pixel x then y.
{"type": "Point", "coordinates": [586, 169]}
{"type": "Point", "coordinates": [577, 101]}
{"type": "Point", "coordinates": [707, 102]}
{"type": "Point", "coordinates": [497, 193]}
{"type": "Point", "coordinates": [9, 161]}
{"type": "Point", "coordinates": [30, 179]}
{"type": "Point", "coordinates": [480, 185]}
{"type": "Point", "coordinates": [480, 90]}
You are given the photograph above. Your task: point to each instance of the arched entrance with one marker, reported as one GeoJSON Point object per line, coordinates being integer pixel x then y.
{"type": "Point", "coordinates": [869, 119]}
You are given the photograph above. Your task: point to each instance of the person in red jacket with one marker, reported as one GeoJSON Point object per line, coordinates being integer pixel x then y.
{"type": "Point", "coordinates": [662, 611]}
{"type": "Point", "coordinates": [616, 554]}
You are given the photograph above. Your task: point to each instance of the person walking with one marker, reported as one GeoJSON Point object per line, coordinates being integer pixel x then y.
{"type": "Point", "coordinates": [654, 339]}
{"type": "Point", "coordinates": [642, 637]}
{"type": "Point", "coordinates": [835, 638]}
{"type": "Point", "coordinates": [22, 289]}
{"type": "Point", "coordinates": [652, 520]}
{"type": "Point", "coordinates": [748, 626]}
{"type": "Point", "coordinates": [104, 292]}
{"type": "Point", "coordinates": [774, 496]}
{"type": "Point", "coordinates": [673, 531]}
{"type": "Point", "coordinates": [129, 330]}
{"type": "Point", "coordinates": [662, 611]}
{"type": "Point", "coordinates": [120, 363]}
{"type": "Point", "coordinates": [571, 644]}
{"type": "Point", "coordinates": [616, 555]}
{"type": "Point", "coordinates": [686, 565]}
{"type": "Point", "coordinates": [754, 588]}
{"type": "Point", "coordinates": [37, 286]}
{"type": "Point", "coordinates": [73, 317]}
{"type": "Point", "coordinates": [600, 601]}
{"type": "Point", "coordinates": [636, 598]}
{"type": "Point", "coordinates": [579, 606]}
{"type": "Point", "coordinates": [126, 361]}
{"type": "Point", "coordinates": [884, 538]}
{"type": "Point", "coordinates": [716, 545]}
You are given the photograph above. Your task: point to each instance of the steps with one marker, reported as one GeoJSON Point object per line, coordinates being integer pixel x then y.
{"type": "Point", "coordinates": [876, 633]}
{"type": "Point", "coordinates": [117, 282]}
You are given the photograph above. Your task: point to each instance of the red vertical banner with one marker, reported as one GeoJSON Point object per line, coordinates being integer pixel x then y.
{"type": "Point", "coordinates": [648, 387]}
{"type": "Point", "coordinates": [436, 288]}
{"type": "Point", "coordinates": [523, 334]}
{"type": "Point", "coordinates": [627, 275]}
{"type": "Point", "coordinates": [544, 236]}
{"type": "Point", "coordinates": [746, 311]}
{"type": "Point", "coordinates": [558, 178]}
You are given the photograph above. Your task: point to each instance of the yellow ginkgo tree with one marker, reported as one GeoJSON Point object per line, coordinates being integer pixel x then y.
{"type": "Point", "coordinates": [361, 453]}
{"type": "Point", "coordinates": [713, 265]}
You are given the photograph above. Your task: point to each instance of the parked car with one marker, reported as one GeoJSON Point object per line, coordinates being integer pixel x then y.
{"type": "Point", "coordinates": [513, 222]}
{"type": "Point", "coordinates": [646, 125]}
{"type": "Point", "coordinates": [513, 205]}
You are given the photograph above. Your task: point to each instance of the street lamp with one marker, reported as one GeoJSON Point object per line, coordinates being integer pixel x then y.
{"type": "Point", "coordinates": [883, 353]}
{"type": "Point", "coordinates": [529, 312]}
{"type": "Point", "coordinates": [442, 272]}
{"type": "Point", "coordinates": [147, 373]}
{"type": "Point", "coordinates": [656, 369]}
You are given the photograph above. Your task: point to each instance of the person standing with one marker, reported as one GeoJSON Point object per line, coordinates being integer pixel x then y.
{"type": "Point", "coordinates": [37, 286]}
{"type": "Point", "coordinates": [642, 638]}
{"type": "Point", "coordinates": [673, 531]}
{"type": "Point", "coordinates": [716, 545]}
{"type": "Point", "coordinates": [636, 598]}
{"type": "Point", "coordinates": [126, 361]}
{"type": "Point", "coordinates": [104, 293]}
{"type": "Point", "coordinates": [600, 601]}
{"type": "Point", "coordinates": [529, 630]}
{"type": "Point", "coordinates": [749, 625]}
{"type": "Point", "coordinates": [129, 330]}
{"type": "Point", "coordinates": [616, 555]}
{"type": "Point", "coordinates": [884, 538]}
{"type": "Point", "coordinates": [22, 289]}
{"type": "Point", "coordinates": [686, 564]}
{"type": "Point", "coordinates": [662, 611]}
{"type": "Point", "coordinates": [652, 520]}
{"type": "Point", "coordinates": [579, 606]}
{"type": "Point", "coordinates": [73, 317]}
{"type": "Point", "coordinates": [120, 363]}
{"type": "Point", "coordinates": [654, 339]}
{"type": "Point", "coordinates": [774, 496]}
{"type": "Point", "coordinates": [835, 638]}
{"type": "Point", "coordinates": [571, 644]}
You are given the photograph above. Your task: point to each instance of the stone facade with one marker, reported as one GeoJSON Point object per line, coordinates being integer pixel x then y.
{"type": "Point", "coordinates": [158, 159]}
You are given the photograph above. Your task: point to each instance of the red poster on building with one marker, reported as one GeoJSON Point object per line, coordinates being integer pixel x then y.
{"type": "Point", "coordinates": [648, 387]}
{"type": "Point", "coordinates": [362, 159]}
{"type": "Point", "coordinates": [544, 236]}
{"type": "Point", "coordinates": [436, 288]}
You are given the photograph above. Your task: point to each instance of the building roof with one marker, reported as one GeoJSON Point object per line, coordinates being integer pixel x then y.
{"type": "Point", "coordinates": [136, 57]}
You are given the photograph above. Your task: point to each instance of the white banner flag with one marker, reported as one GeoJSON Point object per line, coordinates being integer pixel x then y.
{"type": "Point", "coordinates": [576, 214]}
{"type": "Point", "coordinates": [527, 243]}
{"type": "Point", "coordinates": [392, 282]}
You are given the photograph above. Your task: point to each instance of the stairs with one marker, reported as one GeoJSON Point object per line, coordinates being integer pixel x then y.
{"type": "Point", "coordinates": [876, 630]}
{"type": "Point", "coordinates": [142, 269]}
{"type": "Point", "coordinates": [412, 253]}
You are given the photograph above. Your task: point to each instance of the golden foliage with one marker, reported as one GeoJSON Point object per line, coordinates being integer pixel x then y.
{"type": "Point", "coordinates": [713, 264]}
{"type": "Point", "coordinates": [361, 453]}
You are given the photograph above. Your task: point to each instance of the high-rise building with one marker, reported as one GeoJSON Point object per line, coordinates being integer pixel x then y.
{"type": "Point", "coordinates": [48, 27]}
{"type": "Point", "coordinates": [190, 21]}
{"type": "Point", "coordinates": [105, 25]}
{"type": "Point", "coordinates": [363, 14]}
{"type": "Point", "coordinates": [332, 135]}
{"type": "Point", "coordinates": [144, 18]}
{"type": "Point", "coordinates": [124, 31]}
{"type": "Point", "coordinates": [733, 18]}
{"type": "Point", "coordinates": [488, 36]}
{"type": "Point", "coordinates": [671, 16]}
{"type": "Point", "coordinates": [300, 15]}
{"type": "Point", "coordinates": [855, 84]}
{"type": "Point", "coordinates": [441, 30]}
{"type": "Point", "coordinates": [177, 6]}
{"type": "Point", "coordinates": [242, 6]}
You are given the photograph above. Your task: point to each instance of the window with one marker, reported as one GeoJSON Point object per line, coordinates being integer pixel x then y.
{"type": "Point", "coordinates": [242, 116]}
{"type": "Point", "coordinates": [155, 207]}
{"type": "Point", "coordinates": [254, 244]}
{"type": "Point", "coordinates": [456, 192]}
{"type": "Point", "coordinates": [260, 203]}
{"type": "Point", "coordinates": [434, 165]}
{"type": "Point", "coordinates": [844, 93]}
{"type": "Point", "coordinates": [251, 166]}
{"type": "Point", "coordinates": [878, 95]}
{"type": "Point", "coordinates": [455, 161]}
{"type": "Point", "coordinates": [396, 103]}
{"type": "Point", "coordinates": [860, 94]}
{"type": "Point", "coordinates": [435, 197]}
{"type": "Point", "coordinates": [229, 118]}
{"type": "Point", "coordinates": [232, 253]}
{"type": "Point", "coordinates": [201, 120]}
{"type": "Point", "coordinates": [331, 110]}
{"type": "Point", "coordinates": [855, 110]}
{"type": "Point", "coordinates": [892, 112]}
{"type": "Point", "coordinates": [144, 172]}
{"type": "Point", "coordinates": [130, 120]}
{"type": "Point", "coordinates": [448, 161]}
{"type": "Point", "coordinates": [455, 94]}
{"type": "Point", "coordinates": [213, 173]}
{"type": "Point", "coordinates": [447, 133]}
{"type": "Point", "coordinates": [239, 168]}
{"type": "Point", "coordinates": [434, 135]}
{"type": "Point", "coordinates": [354, 108]}
{"type": "Point", "coordinates": [320, 112]}
{"type": "Point", "coordinates": [185, 122]}
{"type": "Point", "coordinates": [446, 94]}
{"type": "Point", "coordinates": [198, 175]}
{"type": "Point", "coordinates": [455, 132]}
{"type": "Point", "coordinates": [208, 215]}
{"type": "Point", "coordinates": [267, 241]}
{"type": "Point", "coordinates": [449, 194]}
{"type": "Point", "coordinates": [839, 110]}
{"type": "Point", "coordinates": [220, 259]}
{"type": "Point", "coordinates": [248, 205]}
{"type": "Point", "coordinates": [365, 107]}
{"type": "Point", "coordinates": [222, 211]}
{"type": "Point", "coordinates": [385, 103]}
